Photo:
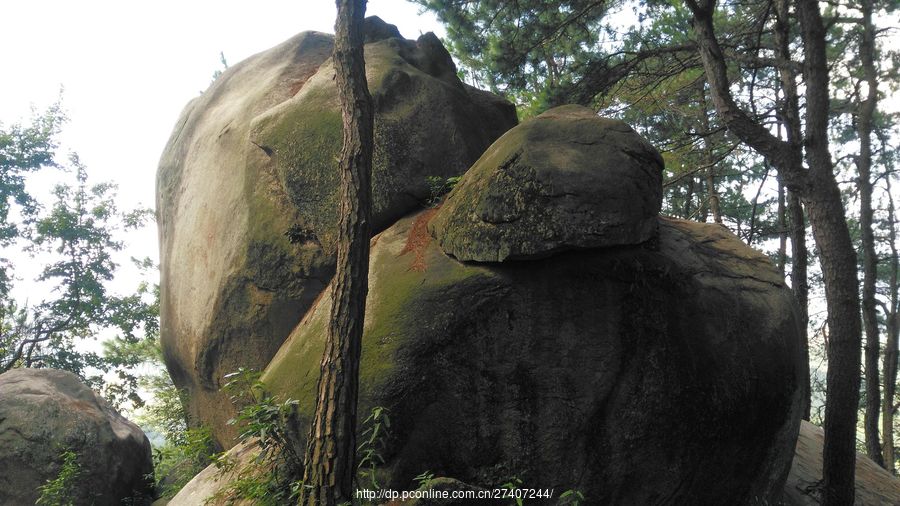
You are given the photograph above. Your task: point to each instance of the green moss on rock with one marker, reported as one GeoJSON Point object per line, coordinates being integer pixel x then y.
{"type": "Point", "coordinates": [566, 179]}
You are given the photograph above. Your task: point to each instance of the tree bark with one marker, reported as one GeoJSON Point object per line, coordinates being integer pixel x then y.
{"type": "Point", "coordinates": [782, 229]}
{"type": "Point", "coordinates": [790, 119]}
{"type": "Point", "coordinates": [331, 446]}
{"type": "Point", "coordinates": [818, 190]}
{"type": "Point", "coordinates": [892, 346]}
{"type": "Point", "coordinates": [867, 236]}
{"type": "Point", "coordinates": [838, 260]}
{"type": "Point", "coordinates": [800, 287]}
{"type": "Point", "coordinates": [711, 191]}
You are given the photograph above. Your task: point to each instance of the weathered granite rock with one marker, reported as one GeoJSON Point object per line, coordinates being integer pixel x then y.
{"type": "Point", "coordinates": [566, 179]}
{"type": "Point", "coordinates": [635, 375]}
{"type": "Point", "coordinates": [874, 485]}
{"type": "Point", "coordinates": [44, 412]}
{"type": "Point", "coordinates": [246, 192]}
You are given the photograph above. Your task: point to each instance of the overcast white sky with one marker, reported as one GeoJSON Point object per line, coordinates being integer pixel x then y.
{"type": "Point", "coordinates": [128, 68]}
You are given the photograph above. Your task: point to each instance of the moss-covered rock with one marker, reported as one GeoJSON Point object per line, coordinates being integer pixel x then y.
{"type": "Point", "coordinates": [247, 190]}
{"type": "Point", "coordinates": [634, 374]}
{"type": "Point", "coordinates": [566, 179]}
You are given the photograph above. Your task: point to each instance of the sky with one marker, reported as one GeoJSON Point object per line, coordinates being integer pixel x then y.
{"type": "Point", "coordinates": [127, 68]}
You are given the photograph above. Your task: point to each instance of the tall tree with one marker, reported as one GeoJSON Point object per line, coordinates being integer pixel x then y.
{"type": "Point", "coordinates": [870, 258]}
{"type": "Point", "coordinates": [892, 344]}
{"type": "Point", "coordinates": [78, 239]}
{"type": "Point", "coordinates": [817, 187]}
{"type": "Point", "coordinates": [330, 454]}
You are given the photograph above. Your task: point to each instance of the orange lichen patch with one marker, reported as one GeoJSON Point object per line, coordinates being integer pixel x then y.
{"type": "Point", "coordinates": [418, 239]}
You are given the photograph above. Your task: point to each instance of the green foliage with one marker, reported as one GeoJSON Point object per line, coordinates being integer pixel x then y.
{"type": "Point", "coordinates": [424, 479]}
{"type": "Point", "coordinates": [438, 187]}
{"type": "Point", "coordinates": [512, 485]}
{"type": "Point", "coordinates": [522, 48]}
{"type": "Point", "coordinates": [75, 239]}
{"type": "Point", "coordinates": [369, 454]}
{"type": "Point", "coordinates": [57, 492]}
{"type": "Point", "coordinates": [571, 497]}
{"type": "Point", "coordinates": [176, 463]}
{"type": "Point", "coordinates": [270, 425]}
{"type": "Point", "coordinates": [24, 150]}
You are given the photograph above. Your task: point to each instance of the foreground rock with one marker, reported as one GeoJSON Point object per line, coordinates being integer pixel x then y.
{"type": "Point", "coordinates": [632, 374]}
{"type": "Point", "coordinates": [874, 485]}
{"type": "Point", "coordinates": [566, 179]}
{"type": "Point", "coordinates": [247, 200]}
{"type": "Point", "coordinates": [44, 412]}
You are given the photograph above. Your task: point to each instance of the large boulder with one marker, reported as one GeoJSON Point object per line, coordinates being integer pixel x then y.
{"type": "Point", "coordinates": [875, 486]}
{"type": "Point", "coordinates": [247, 192]}
{"type": "Point", "coordinates": [45, 412]}
{"type": "Point", "coordinates": [662, 372]}
{"type": "Point", "coordinates": [566, 179]}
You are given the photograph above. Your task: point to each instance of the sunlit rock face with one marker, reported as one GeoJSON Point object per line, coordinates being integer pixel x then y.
{"type": "Point", "coordinates": [44, 412]}
{"type": "Point", "coordinates": [247, 192]}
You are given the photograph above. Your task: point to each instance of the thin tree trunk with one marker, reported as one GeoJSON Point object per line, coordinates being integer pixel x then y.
{"type": "Point", "coordinates": [892, 346]}
{"type": "Point", "coordinates": [870, 259]}
{"type": "Point", "coordinates": [331, 446]}
{"type": "Point", "coordinates": [782, 229]}
{"type": "Point", "coordinates": [790, 119]}
{"type": "Point", "coordinates": [712, 192]}
{"type": "Point", "coordinates": [688, 199]}
{"type": "Point", "coordinates": [800, 287]}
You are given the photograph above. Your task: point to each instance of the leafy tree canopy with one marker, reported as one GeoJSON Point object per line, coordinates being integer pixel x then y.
{"type": "Point", "coordinates": [74, 239]}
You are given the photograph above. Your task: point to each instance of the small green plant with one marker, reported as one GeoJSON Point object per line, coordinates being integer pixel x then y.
{"type": "Point", "coordinates": [424, 479]}
{"type": "Point", "coordinates": [374, 441]}
{"type": "Point", "coordinates": [572, 497]}
{"type": "Point", "coordinates": [57, 492]}
{"type": "Point", "coordinates": [268, 423]}
{"type": "Point", "coordinates": [512, 485]}
{"type": "Point", "coordinates": [438, 187]}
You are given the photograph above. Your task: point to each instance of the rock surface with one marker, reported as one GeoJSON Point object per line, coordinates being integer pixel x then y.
{"type": "Point", "coordinates": [246, 192]}
{"type": "Point", "coordinates": [635, 375]}
{"type": "Point", "coordinates": [566, 179]}
{"type": "Point", "coordinates": [211, 487]}
{"type": "Point", "coordinates": [44, 412]}
{"type": "Point", "coordinates": [874, 485]}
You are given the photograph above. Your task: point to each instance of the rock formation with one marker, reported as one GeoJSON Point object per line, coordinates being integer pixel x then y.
{"type": "Point", "coordinates": [247, 192]}
{"type": "Point", "coordinates": [630, 374]}
{"type": "Point", "coordinates": [582, 342]}
{"type": "Point", "coordinates": [44, 412]}
{"type": "Point", "coordinates": [568, 179]}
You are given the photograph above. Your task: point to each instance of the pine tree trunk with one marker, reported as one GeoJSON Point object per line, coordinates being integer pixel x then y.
{"type": "Point", "coordinates": [892, 346]}
{"type": "Point", "coordinates": [331, 445]}
{"type": "Point", "coordinates": [782, 228]}
{"type": "Point", "coordinates": [870, 259]}
{"type": "Point", "coordinates": [800, 287]}
{"type": "Point", "coordinates": [711, 190]}
{"type": "Point", "coordinates": [838, 260]}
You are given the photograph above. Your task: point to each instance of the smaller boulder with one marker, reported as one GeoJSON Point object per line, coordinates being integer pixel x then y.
{"type": "Point", "coordinates": [874, 485]}
{"type": "Point", "coordinates": [567, 179]}
{"type": "Point", "coordinates": [44, 412]}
